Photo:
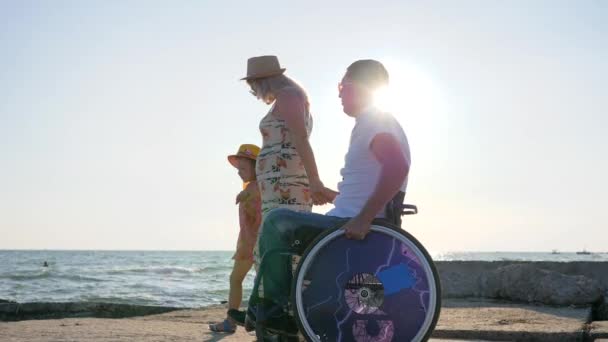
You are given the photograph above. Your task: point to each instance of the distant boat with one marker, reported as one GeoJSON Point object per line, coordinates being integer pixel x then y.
{"type": "Point", "coordinates": [555, 251]}
{"type": "Point", "coordinates": [583, 252]}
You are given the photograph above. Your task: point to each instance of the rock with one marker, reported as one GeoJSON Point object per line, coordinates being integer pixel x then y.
{"type": "Point", "coordinates": [15, 311]}
{"type": "Point", "coordinates": [466, 279]}
{"type": "Point", "coordinates": [458, 284]}
{"type": "Point", "coordinates": [527, 283]}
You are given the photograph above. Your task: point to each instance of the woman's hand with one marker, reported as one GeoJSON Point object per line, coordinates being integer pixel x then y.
{"type": "Point", "coordinates": [320, 194]}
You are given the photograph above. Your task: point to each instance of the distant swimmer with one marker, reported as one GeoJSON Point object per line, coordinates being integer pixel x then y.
{"type": "Point", "coordinates": [46, 264]}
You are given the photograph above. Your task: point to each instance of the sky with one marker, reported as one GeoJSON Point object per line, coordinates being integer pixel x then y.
{"type": "Point", "coordinates": [116, 117]}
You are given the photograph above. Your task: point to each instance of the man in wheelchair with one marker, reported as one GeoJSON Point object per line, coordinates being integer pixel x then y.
{"type": "Point", "coordinates": [376, 169]}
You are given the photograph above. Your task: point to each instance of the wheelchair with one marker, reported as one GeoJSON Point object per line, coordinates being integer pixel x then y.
{"type": "Point", "coordinates": [383, 288]}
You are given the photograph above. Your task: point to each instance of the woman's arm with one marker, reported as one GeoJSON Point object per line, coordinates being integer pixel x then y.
{"type": "Point", "coordinates": [292, 109]}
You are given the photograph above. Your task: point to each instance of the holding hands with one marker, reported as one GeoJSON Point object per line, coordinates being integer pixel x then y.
{"type": "Point", "coordinates": [320, 194]}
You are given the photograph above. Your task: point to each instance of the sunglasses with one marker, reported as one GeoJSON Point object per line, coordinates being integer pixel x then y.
{"type": "Point", "coordinates": [342, 85]}
{"type": "Point", "coordinates": [351, 84]}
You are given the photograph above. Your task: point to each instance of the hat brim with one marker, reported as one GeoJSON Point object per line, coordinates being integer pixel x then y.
{"type": "Point", "coordinates": [233, 159]}
{"type": "Point", "coordinates": [268, 74]}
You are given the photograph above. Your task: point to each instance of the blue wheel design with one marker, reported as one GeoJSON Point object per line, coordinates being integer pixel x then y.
{"type": "Point", "coordinates": [384, 288]}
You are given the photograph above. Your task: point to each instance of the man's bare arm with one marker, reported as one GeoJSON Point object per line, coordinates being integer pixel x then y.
{"type": "Point", "coordinates": [394, 170]}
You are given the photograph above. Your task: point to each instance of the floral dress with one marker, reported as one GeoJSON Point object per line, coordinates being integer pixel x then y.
{"type": "Point", "coordinates": [280, 172]}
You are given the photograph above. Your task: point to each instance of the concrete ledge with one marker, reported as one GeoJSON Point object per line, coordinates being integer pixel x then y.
{"type": "Point", "coordinates": [499, 321]}
{"type": "Point", "coordinates": [462, 279]}
{"type": "Point", "coordinates": [598, 331]}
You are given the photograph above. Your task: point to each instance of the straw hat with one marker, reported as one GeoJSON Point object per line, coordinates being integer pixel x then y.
{"type": "Point", "coordinates": [248, 151]}
{"type": "Point", "coordinates": [263, 66]}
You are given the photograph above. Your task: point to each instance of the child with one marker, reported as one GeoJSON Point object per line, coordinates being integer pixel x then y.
{"type": "Point", "coordinates": [249, 219]}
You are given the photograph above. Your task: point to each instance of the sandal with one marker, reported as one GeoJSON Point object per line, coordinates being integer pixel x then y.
{"type": "Point", "coordinates": [223, 327]}
{"type": "Point", "coordinates": [239, 317]}
{"type": "Point", "coordinates": [242, 318]}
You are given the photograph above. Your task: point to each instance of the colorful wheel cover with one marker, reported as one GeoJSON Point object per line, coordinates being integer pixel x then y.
{"type": "Point", "coordinates": [378, 289]}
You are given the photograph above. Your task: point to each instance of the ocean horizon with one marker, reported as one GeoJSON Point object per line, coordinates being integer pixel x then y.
{"type": "Point", "coordinates": [163, 278]}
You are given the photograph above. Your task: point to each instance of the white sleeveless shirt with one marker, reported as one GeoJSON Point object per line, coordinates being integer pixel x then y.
{"type": "Point", "coordinates": [361, 168]}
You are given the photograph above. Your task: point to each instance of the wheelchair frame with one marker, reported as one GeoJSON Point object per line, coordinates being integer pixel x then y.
{"type": "Point", "coordinates": [393, 212]}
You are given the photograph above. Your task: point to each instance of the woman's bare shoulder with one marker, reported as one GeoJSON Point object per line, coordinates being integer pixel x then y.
{"type": "Point", "coordinates": [290, 98]}
{"type": "Point", "coordinates": [290, 94]}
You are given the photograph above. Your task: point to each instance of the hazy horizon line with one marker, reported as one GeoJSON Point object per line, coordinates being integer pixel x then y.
{"type": "Point", "coordinates": [231, 251]}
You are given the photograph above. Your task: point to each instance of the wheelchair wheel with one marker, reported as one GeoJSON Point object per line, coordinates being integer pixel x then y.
{"type": "Point", "coordinates": [384, 288]}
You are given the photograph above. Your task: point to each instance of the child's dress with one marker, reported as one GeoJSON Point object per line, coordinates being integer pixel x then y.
{"type": "Point", "coordinates": [250, 217]}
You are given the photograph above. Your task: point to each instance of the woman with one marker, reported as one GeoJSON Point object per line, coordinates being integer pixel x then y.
{"type": "Point", "coordinates": [286, 170]}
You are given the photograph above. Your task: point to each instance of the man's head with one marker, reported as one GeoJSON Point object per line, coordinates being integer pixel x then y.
{"type": "Point", "coordinates": [361, 80]}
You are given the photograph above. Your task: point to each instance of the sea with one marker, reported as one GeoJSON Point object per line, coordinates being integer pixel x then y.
{"type": "Point", "coordinates": [163, 278]}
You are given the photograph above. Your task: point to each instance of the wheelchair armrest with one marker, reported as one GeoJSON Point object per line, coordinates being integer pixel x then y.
{"type": "Point", "coordinates": [408, 209]}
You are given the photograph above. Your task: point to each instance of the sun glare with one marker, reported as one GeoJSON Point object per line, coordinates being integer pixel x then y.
{"type": "Point", "coordinates": [417, 101]}
{"type": "Point", "coordinates": [411, 93]}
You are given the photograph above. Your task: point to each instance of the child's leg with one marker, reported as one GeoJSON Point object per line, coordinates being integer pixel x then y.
{"type": "Point", "coordinates": [239, 271]}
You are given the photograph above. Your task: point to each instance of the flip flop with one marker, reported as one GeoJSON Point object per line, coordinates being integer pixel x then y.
{"type": "Point", "coordinates": [223, 327]}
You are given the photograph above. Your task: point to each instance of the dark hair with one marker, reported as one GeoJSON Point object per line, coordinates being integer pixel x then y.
{"type": "Point", "coordinates": [368, 72]}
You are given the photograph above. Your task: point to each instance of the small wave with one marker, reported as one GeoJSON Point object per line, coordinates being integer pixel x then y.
{"type": "Point", "coordinates": [32, 276]}
{"type": "Point", "coordinates": [47, 275]}
{"type": "Point", "coordinates": [214, 268]}
{"type": "Point", "coordinates": [155, 270]}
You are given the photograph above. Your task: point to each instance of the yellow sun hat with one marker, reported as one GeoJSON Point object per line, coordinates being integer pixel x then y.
{"type": "Point", "coordinates": [249, 151]}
